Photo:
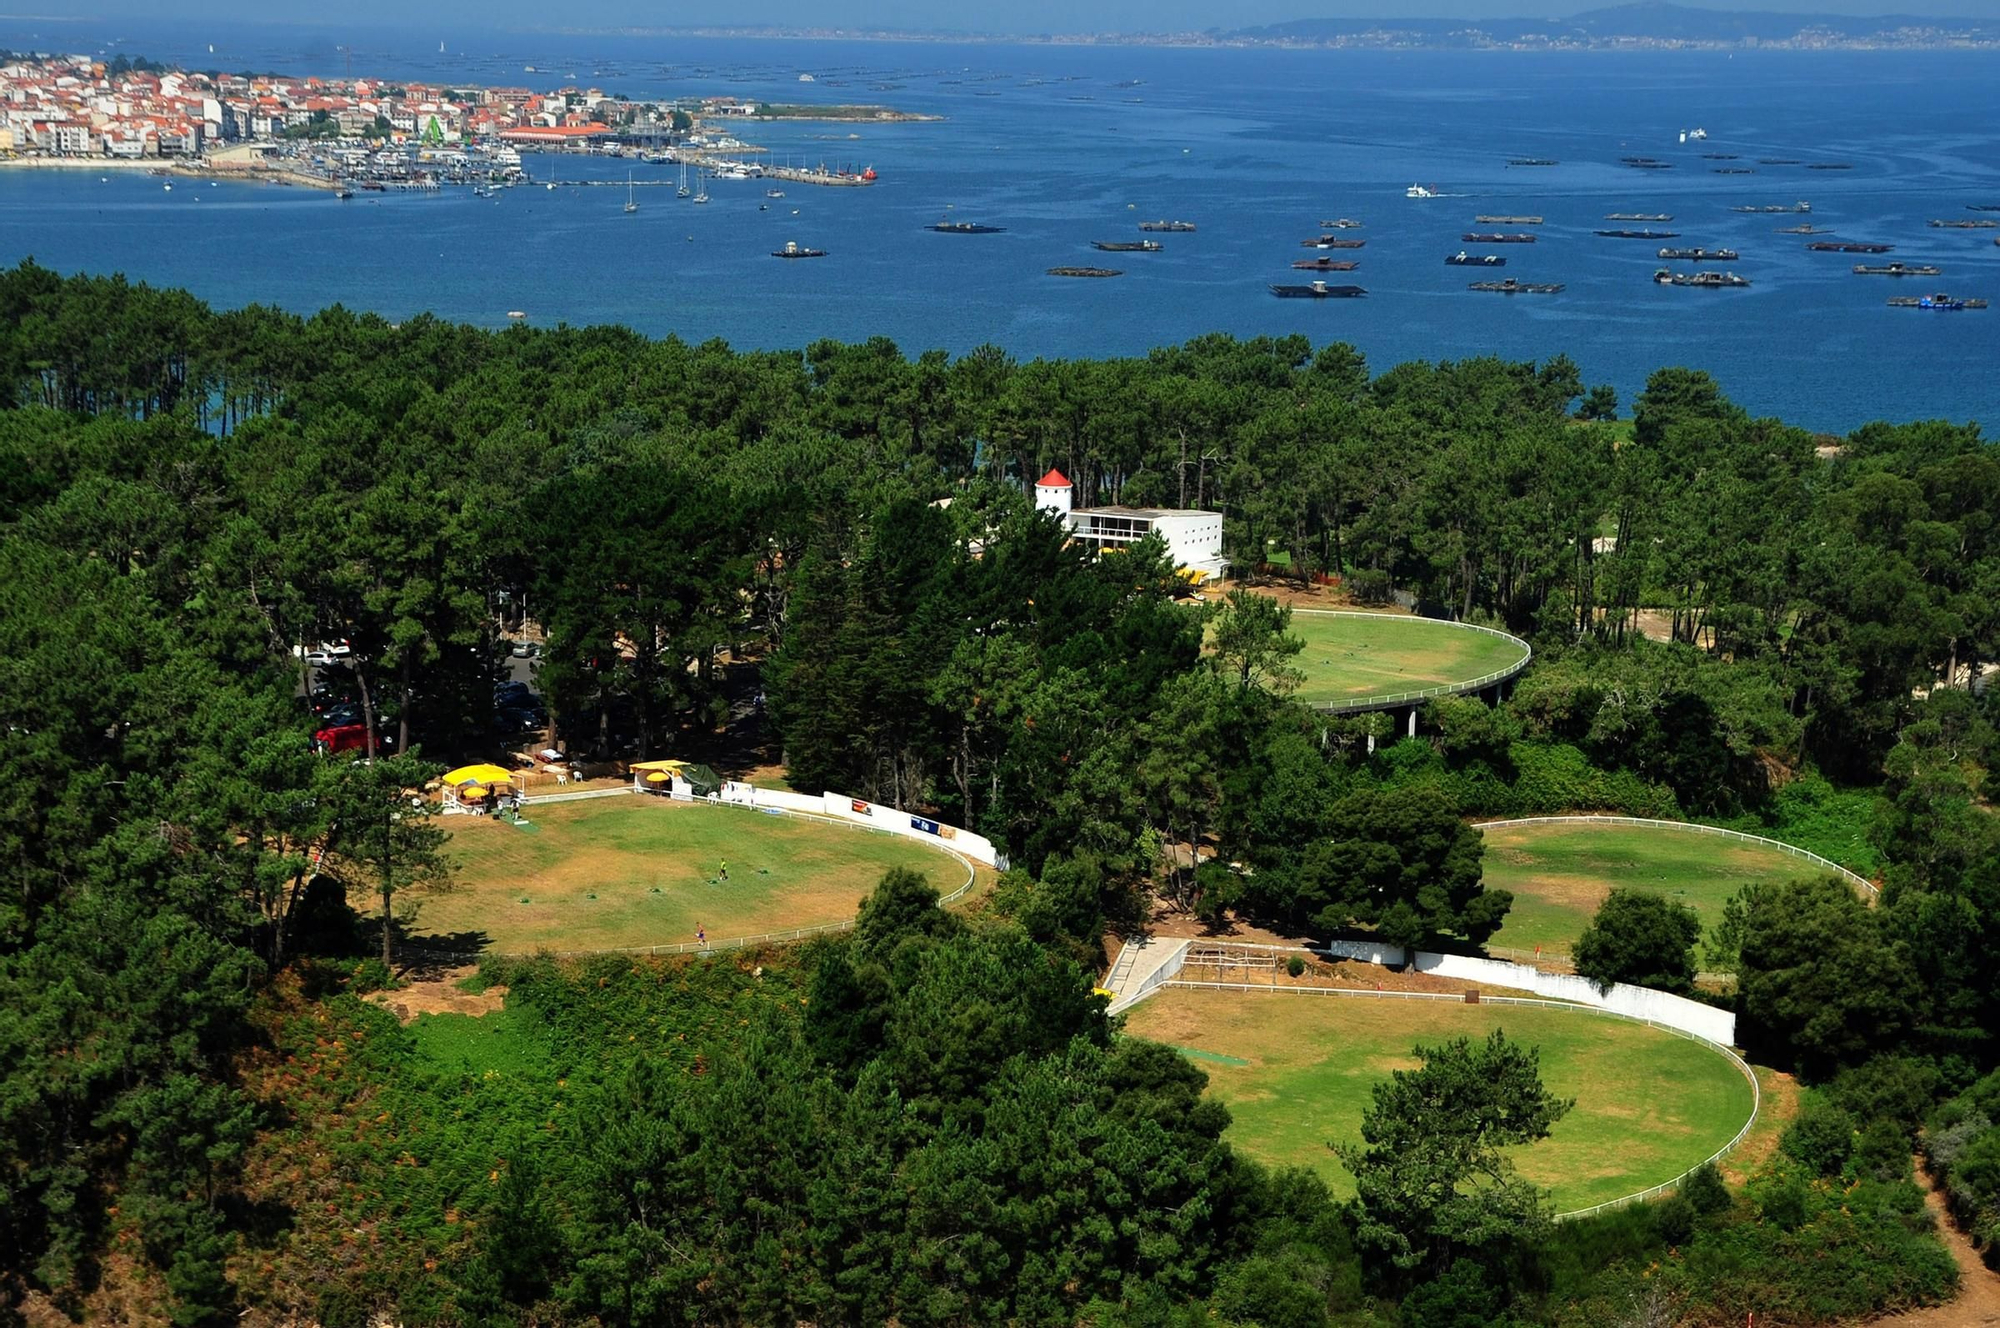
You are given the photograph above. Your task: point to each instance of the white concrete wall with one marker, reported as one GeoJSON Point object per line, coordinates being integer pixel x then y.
{"type": "Point", "coordinates": [1194, 539]}
{"type": "Point", "coordinates": [1693, 1017]}
{"type": "Point", "coordinates": [898, 822]}
{"type": "Point", "coordinates": [1368, 952]}
{"type": "Point", "coordinates": [1703, 1021]}
{"type": "Point", "coordinates": [876, 816]}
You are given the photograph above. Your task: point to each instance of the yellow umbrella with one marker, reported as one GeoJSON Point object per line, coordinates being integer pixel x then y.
{"type": "Point", "coordinates": [479, 774]}
{"type": "Point", "coordinates": [472, 791]}
{"type": "Point", "coordinates": [658, 777]}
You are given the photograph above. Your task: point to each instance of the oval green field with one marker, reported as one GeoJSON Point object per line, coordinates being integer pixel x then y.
{"type": "Point", "coordinates": [1560, 871]}
{"type": "Point", "coordinates": [621, 872]}
{"type": "Point", "coordinates": [1296, 1074]}
{"type": "Point", "coordinates": [1351, 657]}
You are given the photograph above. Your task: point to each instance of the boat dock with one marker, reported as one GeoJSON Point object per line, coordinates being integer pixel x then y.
{"type": "Point", "coordinates": [584, 184]}
{"type": "Point", "coordinates": [1513, 287]}
{"type": "Point", "coordinates": [1945, 302]}
{"type": "Point", "coordinates": [821, 174]}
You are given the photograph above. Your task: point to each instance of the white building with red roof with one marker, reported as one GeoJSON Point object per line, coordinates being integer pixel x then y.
{"type": "Point", "coordinates": [1193, 536]}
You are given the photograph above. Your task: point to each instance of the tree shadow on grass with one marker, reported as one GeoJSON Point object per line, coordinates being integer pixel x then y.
{"type": "Point", "coordinates": [431, 955]}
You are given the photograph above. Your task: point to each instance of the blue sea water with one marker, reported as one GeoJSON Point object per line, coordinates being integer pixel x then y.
{"type": "Point", "coordinates": [1065, 145]}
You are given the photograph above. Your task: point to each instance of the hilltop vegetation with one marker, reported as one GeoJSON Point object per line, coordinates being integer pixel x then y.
{"type": "Point", "coordinates": [198, 1115]}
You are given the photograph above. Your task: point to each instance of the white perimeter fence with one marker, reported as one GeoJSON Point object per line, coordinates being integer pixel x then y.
{"type": "Point", "coordinates": [769, 802]}
{"type": "Point", "coordinates": [1665, 1187]}
{"type": "Point", "coordinates": [1388, 700]}
{"type": "Point", "coordinates": [1855, 879]}
{"type": "Point", "coordinates": [871, 815]}
{"type": "Point", "coordinates": [1642, 1003]}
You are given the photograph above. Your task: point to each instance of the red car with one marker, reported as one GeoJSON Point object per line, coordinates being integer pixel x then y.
{"type": "Point", "coordinates": [346, 738]}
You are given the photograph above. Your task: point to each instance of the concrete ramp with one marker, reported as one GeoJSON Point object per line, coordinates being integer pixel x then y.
{"type": "Point", "coordinates": [1141, 967]}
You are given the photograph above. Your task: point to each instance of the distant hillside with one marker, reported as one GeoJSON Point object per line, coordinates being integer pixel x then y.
{"type": "Point", "coordinates": [1645, 23]}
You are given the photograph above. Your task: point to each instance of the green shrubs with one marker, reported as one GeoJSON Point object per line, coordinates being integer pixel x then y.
{"type": "Point", "coordinates": [1705, 1190]}
{"type": "Point", "coordinates": [1556, 778]}
{"type": "Point", "coordinates": [1271, 1293]}
{"type": "Point", "coordinates": [1533, 778]}
{"type": "Point", "coordinates": [1962, 1148]}
{"type": "Point", "coordinates": [1796, 1247]}
{"type": "Point", "coordinates": [1641, 938]}
{"type": "Point", "coordinates": [371, 975]}
{"type": "Point", "coordinates": [1461, 1297]}
{"type": "Point", "coordinates": [1822, 1138]}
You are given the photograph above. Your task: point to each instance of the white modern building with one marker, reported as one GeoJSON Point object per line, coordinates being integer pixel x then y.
{"type": "Point", "coordinates": [1194, 538]}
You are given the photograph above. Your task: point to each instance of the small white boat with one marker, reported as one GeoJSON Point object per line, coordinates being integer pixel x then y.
{"type": "Point", "coordinates": [1421, 191]}
{"type": "Point", "coordinates": [774, 193]}
{"type": "Point", "coordinates": [631, 204]}
{"type": "Point", "coordinates": [517, 313]}
{"type": "Point", "coordinates": [169, 188]}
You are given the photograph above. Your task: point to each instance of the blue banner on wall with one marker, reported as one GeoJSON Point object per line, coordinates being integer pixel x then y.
{"type": "Point", "coordinates": [927, 826]}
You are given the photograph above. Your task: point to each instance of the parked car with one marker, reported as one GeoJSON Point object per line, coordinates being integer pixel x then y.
{"type": "Point", "coordinates": [527, 650]}
{"type": "Point", "coordinates": [339, 738]}
{"type": "Point", "coordinates": [318, 658]}
{"type": "Point", "coordinates": [520, 719]}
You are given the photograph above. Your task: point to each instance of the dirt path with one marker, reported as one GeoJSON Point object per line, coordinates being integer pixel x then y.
{"type": "Point", "coordinates": [1978, 1302]}
{"type": "Point", "coordinates": [439, 994]}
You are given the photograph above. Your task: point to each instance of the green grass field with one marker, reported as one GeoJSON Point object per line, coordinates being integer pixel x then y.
{"type": "Point", "coordinates": [1296, 1074]}
{"type": "Point", "coordinates": [635, 871]}
{"type": "Point", "coordinates": [1351, 657]}
{"type": "Point", "coordinates": [1561, 871]}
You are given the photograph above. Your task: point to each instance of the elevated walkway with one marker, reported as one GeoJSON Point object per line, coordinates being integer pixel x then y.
{"type": "Point", "coordinates": [1140, 968]}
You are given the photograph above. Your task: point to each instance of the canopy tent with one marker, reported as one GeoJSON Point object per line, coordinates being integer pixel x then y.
{"type": "Point", "coordinates": [478, 774]}
{"type": "Point", "coordinates": [656, 776]}
{"type": "Point", "coordinates": [477, 788]}
{"type": "Point", "coordinates": [661, 776]}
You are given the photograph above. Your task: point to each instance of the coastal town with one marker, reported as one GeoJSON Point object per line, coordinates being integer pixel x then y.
{"type": "Point", "coordinates": [360, 132]}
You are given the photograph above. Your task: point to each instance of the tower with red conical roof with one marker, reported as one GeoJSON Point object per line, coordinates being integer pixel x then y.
{"type": "Point", "coordinates": [1052, 493]}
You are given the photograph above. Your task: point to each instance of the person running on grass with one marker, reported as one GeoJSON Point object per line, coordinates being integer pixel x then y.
{"type": "Point", "coordinates": [725, 869]}
{"type": "Point", "coordinates": [701, 935]}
